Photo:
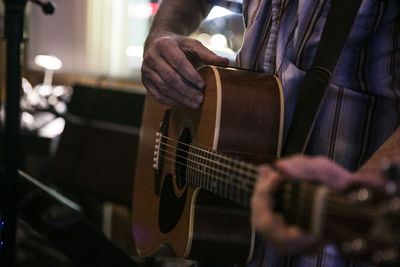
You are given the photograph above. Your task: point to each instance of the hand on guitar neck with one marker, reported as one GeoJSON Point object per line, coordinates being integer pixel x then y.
{"type": "Point", "coordinates": [341, 184]}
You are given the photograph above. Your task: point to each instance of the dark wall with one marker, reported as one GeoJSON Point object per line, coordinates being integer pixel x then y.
{"type": "Point", "coordinates": [97, 150]}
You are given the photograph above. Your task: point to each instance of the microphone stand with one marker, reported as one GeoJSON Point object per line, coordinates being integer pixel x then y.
{"type": "Point", "coordinates": [14, 21]}
{"type": "Point", "coordinates": [13, 25]}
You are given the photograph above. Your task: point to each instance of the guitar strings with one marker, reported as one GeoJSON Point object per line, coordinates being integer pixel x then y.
{"type": "Point", "coordinates": [238, 166]}
{"type": "Point", "coordinates": [249, 173]}
{"type": "Point", "coordinates": [209, 152]}
{"type": "Point", "coordinates": [237, 180]}
{"type": "Point", "coordinates": [250, 176]}
{"type": "Point", "coordinates": [221, 178]}
{"type": "Point", "coordinates": [238, 197]}
{"type": "Point", "coordinates": [335, 203]}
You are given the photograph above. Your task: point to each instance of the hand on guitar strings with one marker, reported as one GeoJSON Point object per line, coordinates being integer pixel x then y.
{"type": "Point", "coordinates": [288, 239]}
{"type": "Point", "coordinates": [169, 68]}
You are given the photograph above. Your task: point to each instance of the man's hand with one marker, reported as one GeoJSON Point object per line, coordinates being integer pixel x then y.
{"type": "Point", "coordinates": [168, 69]}
{"type": "Point", "coordinates": [287, 238]}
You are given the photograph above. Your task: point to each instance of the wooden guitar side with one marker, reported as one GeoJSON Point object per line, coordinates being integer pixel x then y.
{"type": "Point", "coordinates": [241, 117]}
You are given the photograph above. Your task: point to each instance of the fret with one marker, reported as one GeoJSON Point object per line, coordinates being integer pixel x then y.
{"type": "Point", "coordinates": [196, 167]}
{"type": "Point", "coordinates": [246, 185]}
{"type": "Point", "coordinates": [199, 168]}
{"type": "Point", "coordinates": [203, 169]}
{"type": "Point", "coordinates": [239, 183]}
{"type": "Point", "coordinates": [214, 173]}
{"type": "Point", "coordinates": [230, 180]}
{"type": "Point", "coordinates": [244, 182]}
{"type": "Point", "coordinates": [241, 170]}
{"type": "Point", "coordinates": [220, 180]}
{"type": "Point", "coordinates": [212, 176]}
{"type": "Point", "coordinates": [235, 181]}
{"type": "Point", "coordinates": [208, 167]}
{"type": "Point", "coordinates": [191, 172]}
{"type": "Point", "coordinates": [190, 169]}
{"type": "Point", "coordinates": [224, 169]}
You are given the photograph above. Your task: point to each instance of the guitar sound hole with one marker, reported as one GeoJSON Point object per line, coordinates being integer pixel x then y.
{"type": "Point", "coordinates": [185, 139]}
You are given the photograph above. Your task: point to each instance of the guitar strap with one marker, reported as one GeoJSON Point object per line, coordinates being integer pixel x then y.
{"type": "Point", "coordinates": [337, 27]}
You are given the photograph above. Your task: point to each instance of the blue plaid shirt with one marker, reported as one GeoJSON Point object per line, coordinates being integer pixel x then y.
{"type": "Point", "coordinates": [362, 103]}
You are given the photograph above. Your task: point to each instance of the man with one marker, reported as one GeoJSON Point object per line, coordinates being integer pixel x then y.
{"type": "Point", "coordinates": [359, 112]}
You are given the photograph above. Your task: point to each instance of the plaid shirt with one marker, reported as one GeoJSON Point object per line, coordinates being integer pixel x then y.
{"type": "Point", "coordinates": [361, 107]}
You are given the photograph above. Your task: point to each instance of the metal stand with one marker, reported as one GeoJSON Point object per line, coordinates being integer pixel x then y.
{"type": "Point", "coordinates": [14, 20]}
{"type": "Point", "coordinates": [13, 25]}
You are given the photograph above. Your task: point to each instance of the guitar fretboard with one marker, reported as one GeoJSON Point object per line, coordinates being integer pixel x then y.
{"type": "Point", "coordinates": [226, 177]}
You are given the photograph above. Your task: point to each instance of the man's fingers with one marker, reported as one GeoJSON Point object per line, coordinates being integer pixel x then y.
{"type": "Point", "coordinates": [152, 86]}
{"type": "Point", "coordinates": [177, 88]}
{"type": "Point", "coordinates": [285, 239]}
{"type": "Point", "coordinates": [163, 92]}
{"type": "Point", "coordinates": [168, 61]}
{"type": "Point", "coordinates": [319, 169]}
{"type": "Point", "coordinates": [177, 59]}
{"type": "Point", "coordinates": [191, 52]}
{"type": "Point", "coordinates": [196, 50]}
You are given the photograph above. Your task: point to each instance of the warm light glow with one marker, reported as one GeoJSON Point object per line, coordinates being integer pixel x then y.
{"type": "Point", "coordinates": [53, 128]}
{"type": "Point", "coordinates": [204, 38]}
{"type": "Point", "coordinates": [59, 90]}
{"type": "Point", "coordinates": [28, 119]}
{"type": "Point", "coordinates": [217, 12]}
{"type": "Point", "coordinates": [218, 41]}
{"type": "Point", "coordinates": [48, 62]}
{"type": "Point", "coordinates": [44, 90]}
{"type": "Point", "coordinates": [26, 86]}
{"type": "Point", "coordinates": [134, 51]}
{"type": "Point", "coordinates": [140, 11]}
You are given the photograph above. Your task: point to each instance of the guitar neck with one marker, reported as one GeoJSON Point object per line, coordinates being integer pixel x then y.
{"type": "Point", "coordinates": [224, 176]}
{"type": "Point", "coordinates": [312, 207]}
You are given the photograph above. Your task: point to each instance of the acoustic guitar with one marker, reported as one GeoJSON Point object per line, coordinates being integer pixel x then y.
{"type": "Point", "coordinates": [196, 171]}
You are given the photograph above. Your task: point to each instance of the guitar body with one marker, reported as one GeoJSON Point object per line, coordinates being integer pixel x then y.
{"type": "Point", "coordinates": [241, 117]}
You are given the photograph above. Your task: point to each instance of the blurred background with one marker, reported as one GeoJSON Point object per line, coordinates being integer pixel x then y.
{"type": "Point", "coordinates": [82, 101]}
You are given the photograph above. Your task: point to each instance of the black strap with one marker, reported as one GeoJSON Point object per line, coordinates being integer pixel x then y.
{"type": "Point", "coordinates": [337, 27]}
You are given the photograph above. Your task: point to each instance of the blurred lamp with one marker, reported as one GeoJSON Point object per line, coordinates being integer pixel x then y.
{"type": "Point", "coordinates": [50, 64]}
{"type": "Point", "coordinates": [53, 128]}
{"type": "Point", "coordinates": [217, 12]}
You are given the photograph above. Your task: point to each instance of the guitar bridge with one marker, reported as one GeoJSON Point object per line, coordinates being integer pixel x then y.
{"type": "Point", "coordinates": [158, 150]}
{"type": "Point", "coordinates": [156, 158]}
